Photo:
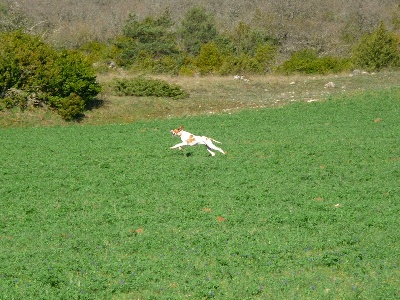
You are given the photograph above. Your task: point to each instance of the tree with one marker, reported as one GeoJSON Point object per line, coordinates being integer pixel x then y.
{"type": "Point", "coordinates": [24, 60]}
{"type": "Point", "coordinates": [197, 28]}
{"type": "Point", "coordinates": [209, 59]}
{"type": "Point", "coordinates": [152, 36]}
{"type": "Point", "coordinates": [63, 80]}
{"type": "Point", "coordinates": [378, 50]}
{"type": "Point", "coordinates": [247, 40]}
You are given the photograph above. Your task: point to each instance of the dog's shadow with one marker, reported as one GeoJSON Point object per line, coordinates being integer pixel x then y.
{"type": "Point", "coordinates": [183, 153]}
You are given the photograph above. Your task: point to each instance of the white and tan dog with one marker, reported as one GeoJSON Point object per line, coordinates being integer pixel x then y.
{"type": "Point", "coordinates": [189, 139]}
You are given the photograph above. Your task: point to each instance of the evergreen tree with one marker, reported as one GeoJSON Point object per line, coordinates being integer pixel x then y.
{"type": "Point", "coordinates": [152, 36]}
{"type": "Point", "coordinates": [378, 50]}
{"type": "Point", "coordinates": [197, 28]}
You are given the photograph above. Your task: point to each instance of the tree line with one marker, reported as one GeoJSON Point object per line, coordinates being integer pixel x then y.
{"type": "Point", "coordinates": [157, 44]}
{"type": "Point", "coordinates": [236, 36]}
{"type": "Point", "coordinates": [325, 25]}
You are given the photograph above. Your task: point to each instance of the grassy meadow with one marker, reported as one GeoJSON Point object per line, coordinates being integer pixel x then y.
{"type": "Point", "coordinates": [304, 205]}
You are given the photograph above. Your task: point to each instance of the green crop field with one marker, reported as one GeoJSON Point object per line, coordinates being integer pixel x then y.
{"type": "Point", "coordinates": [304, 205]}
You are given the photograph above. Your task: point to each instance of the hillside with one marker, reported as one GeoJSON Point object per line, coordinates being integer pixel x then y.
{"type": "Point", "coordinates": [328, 26]}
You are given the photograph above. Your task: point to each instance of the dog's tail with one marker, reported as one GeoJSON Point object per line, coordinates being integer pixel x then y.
{"type": "Point", "coordinates": [215, 141]}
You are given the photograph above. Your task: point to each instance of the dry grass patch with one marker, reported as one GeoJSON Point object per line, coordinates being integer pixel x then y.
{"type": "Point", "coordinates": [210, 95]}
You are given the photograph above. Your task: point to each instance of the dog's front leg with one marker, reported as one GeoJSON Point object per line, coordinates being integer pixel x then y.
{"type": "Point", "coordinates": [180, 145]}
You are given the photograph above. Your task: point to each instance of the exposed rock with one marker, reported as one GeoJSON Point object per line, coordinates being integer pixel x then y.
{"type": "Point", "coordinates": [330, 85]}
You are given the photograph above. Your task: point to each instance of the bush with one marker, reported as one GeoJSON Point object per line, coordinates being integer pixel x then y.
{"type": "Point", "coordinates": [101, 56]}
{"type": "Point", "coordinates": [30, 66]}
{"type": "Point", "coordinates": [72, 74]}
{"type": "Point", "coordinates": [23, 61]}
{"type": "Point", "coordinates": [14, 98]}
{"type": "Point", "coordinates": [209, 59]}
{"type": "Point", "coordinates": [197, 28]}
{"type": "Point", "coordinates": [141, 86]}
{"type": "Point", "coordinates": [69, 107]}
{"type": "Point", "coordinates": [244, 63]}
{"type": "Point", "coordinates": [308, 62]}
{"type": "Point", "coordinates": [152, 36]}
{"type": "Point", "coordinates": [167, 65]}
{"type": "Point", "coordinates": [233, 64]}
{"type": "Point", "coordinates": [264, 57]}
{"type": "Point", "coordinates": [188, 67]}
{"type": "Point", "coordinates": [247, 40]}
{"type": "Point", "coordinates": [145, 62]}
{"type": "Point", "coordinates": [378, 50]}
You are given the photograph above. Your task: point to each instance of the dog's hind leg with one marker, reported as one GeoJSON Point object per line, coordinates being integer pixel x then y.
{"type": "Point", "coordinates": [211, 146]}
{"type": "Point", "coordinates": [209, 150]}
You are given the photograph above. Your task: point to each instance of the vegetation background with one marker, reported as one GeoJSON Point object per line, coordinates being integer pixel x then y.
{"type": "Point", "coordinates": [326, 25]}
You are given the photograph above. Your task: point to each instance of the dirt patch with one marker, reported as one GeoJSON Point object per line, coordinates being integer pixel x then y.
{"type": "Point", "coordinates": [221, 219]}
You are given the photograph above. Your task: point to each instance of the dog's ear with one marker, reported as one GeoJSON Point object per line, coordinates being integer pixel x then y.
{"type": "Point", "coordinates": [180, 128]}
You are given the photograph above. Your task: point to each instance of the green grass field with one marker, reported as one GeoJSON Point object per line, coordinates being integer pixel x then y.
{"type": "Point", "coordinates": [305, 205]}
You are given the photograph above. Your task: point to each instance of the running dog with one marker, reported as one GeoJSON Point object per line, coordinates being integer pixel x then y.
{"type": "Point", "coordinates": [189, 139]}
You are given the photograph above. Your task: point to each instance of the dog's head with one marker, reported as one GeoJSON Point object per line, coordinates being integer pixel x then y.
{"type": "Point", "coordinates": [177, 131]}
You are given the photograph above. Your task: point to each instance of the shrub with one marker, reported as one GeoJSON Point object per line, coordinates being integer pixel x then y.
{"type": "Point", "coordinates": [141, 86]}
{"type": "Point", "coordinates": [71, 73]}
{"type": "Point", "coordinates": [247, 39]}
{"type": "Point", "coordinates": [308, 62]}
{"type": "Point", "coordinates": [14, 98]}
{"type": "Point", "coordinates": [23, 61]}
{"type": "Point", "coordinates": [30, 66]}
{"type": "Point", "coordinates": [145, 62]}
{"type": "Point", "coordinates": [197, 28]}
{"type": "Point", "coordinates": [94, 51]}
{"type": "Point", "coordinates": [233, 64]}
{"type": "Point", "coordinates": [124, 52]}
{"type": "Point", "coordinates": [69, 107]}
{"type": "Point", "coordinates": [152, 36]}
{"type": "Point", "coordinates": [378, 50]}
{"type": "Point", "coordinates": [259, 63]}
{"type": "Point", "coordinates": [209, 59]}
{"type": "Point", "coordinates": [100, 55]}
{"type": "Point", "coordinates": [188, 67]}
{"type": "Point", "coordinates": [167, 65]}
{"type": "Point", "coordinates": [263, 58]}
